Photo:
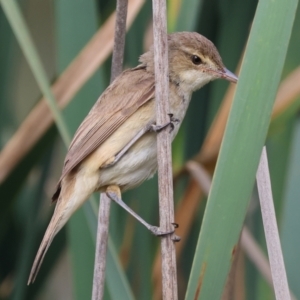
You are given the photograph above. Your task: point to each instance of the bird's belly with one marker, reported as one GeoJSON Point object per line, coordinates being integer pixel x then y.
{"type": "Point", "coordinates": [137, 165]}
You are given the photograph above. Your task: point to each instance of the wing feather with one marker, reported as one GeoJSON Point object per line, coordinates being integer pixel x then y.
{"type": "Point", "coordinates": [112, 109]}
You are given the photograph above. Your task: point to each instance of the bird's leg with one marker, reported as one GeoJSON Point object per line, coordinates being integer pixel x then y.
{"type": "Point", "coordinates": [147, 128]}
{"type": "Point", "coordinates": [126, 148]}
{"type": "Point", "coordinates": [114, 193]}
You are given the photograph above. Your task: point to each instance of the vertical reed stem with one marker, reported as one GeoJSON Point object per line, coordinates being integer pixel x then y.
{"type": "Point", "coordinates": [104, 206]}
{"type": "Point", "coordinates": [165, 180]}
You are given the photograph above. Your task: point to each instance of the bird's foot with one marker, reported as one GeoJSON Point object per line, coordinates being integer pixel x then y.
{"type": "Point", "coordinates": [158, 232]}
{"type": "Point", "coordinates": [172, 122]}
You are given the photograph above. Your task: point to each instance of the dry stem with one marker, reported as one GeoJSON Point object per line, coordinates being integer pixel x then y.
{"type": "Point", "coordinates": [165, 181]}
{"type": "Point", "coordinates": [104, 206]}
{"type": "Point", "coordinates": [101, 248]}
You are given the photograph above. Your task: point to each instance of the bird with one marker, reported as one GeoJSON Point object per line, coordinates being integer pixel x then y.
{"type": "Point", "coordinates": [114, 148]}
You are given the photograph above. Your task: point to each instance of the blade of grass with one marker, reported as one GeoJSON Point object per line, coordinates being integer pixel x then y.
{"type": "Point", "coordinates": [241, 148]}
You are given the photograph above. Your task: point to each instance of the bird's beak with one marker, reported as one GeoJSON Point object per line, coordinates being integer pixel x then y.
{"type": "Point", "coordinates": [229, 76]}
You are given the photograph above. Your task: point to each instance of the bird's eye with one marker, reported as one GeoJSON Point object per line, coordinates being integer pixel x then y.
{"type": "Point", "coordinates": [196, 60]}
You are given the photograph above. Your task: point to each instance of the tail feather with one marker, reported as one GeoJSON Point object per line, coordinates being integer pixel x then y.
{"type": "Point", "coordinates": [55, 225]}
{"type": "Point", "coordinates": [51, 231]}
{"type": "Point", "coordinates": [39, 258]}
{"type": "Point", "coordinates": [69, 200]}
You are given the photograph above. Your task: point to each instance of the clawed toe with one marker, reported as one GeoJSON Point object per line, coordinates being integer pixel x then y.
{"type": "Point", "coordinates": [176, 238]}
{"type": "Point", "coordinates": [175, 225]}
{"type": "Point", "coordinates": [173, 120]}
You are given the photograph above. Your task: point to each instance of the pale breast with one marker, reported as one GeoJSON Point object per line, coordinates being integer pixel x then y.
{"type": "Point", "coordinates": [137, 165]}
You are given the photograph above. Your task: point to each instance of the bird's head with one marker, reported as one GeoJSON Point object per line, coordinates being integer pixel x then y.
{"type": "Point", "coordinates": [193, 61]}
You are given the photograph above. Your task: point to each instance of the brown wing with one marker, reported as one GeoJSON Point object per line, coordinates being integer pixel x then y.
{"type": "Point", "coordinates": [113, 108]}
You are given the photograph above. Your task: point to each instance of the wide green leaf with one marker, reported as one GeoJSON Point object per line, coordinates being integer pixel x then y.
{"type": "Point", "coordinates": [241, 148]}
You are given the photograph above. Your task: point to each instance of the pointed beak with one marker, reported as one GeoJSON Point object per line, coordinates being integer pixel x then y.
{"type": "Point", "coordinates": [229, 76]}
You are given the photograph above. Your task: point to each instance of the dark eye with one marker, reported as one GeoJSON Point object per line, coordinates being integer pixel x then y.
{"type": "Point", "coordinates": [196, 60]}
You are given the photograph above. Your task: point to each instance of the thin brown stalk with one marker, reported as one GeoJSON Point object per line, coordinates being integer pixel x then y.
{"type": "Point", "coordinates": [279, 277]}
{"type": "Point", "coordinates": [119, 42]}
{"type": "Point", "coordinates": [101, 248]}
{"type": "Point", "coordinates": [185, 214]}
{"type": "Point", "coordinates": [64, 89]}
{"type": "Point", "coordinates": [164, 160]}
{"type": "Point", "coordinates": [105, 202]}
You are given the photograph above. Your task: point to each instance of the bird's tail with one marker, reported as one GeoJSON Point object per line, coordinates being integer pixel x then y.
{"type": "Point", "coordinates": [55, 225]}
{"type": "Point", "coordinates": [69, 200]}
{"type": "Point", "coordinates": [63, 211]}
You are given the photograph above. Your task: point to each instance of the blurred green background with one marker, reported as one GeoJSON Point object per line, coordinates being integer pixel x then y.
{"type": "Point", "coordinates": [60, 29]}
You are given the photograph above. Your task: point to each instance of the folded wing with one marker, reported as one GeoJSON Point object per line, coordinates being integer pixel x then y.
{"type": "Point", "coordinates": [113, 108]}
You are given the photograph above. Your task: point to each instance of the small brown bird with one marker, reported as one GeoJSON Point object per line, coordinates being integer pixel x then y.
{"type": "Point", "coordinates": [114, 149]}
